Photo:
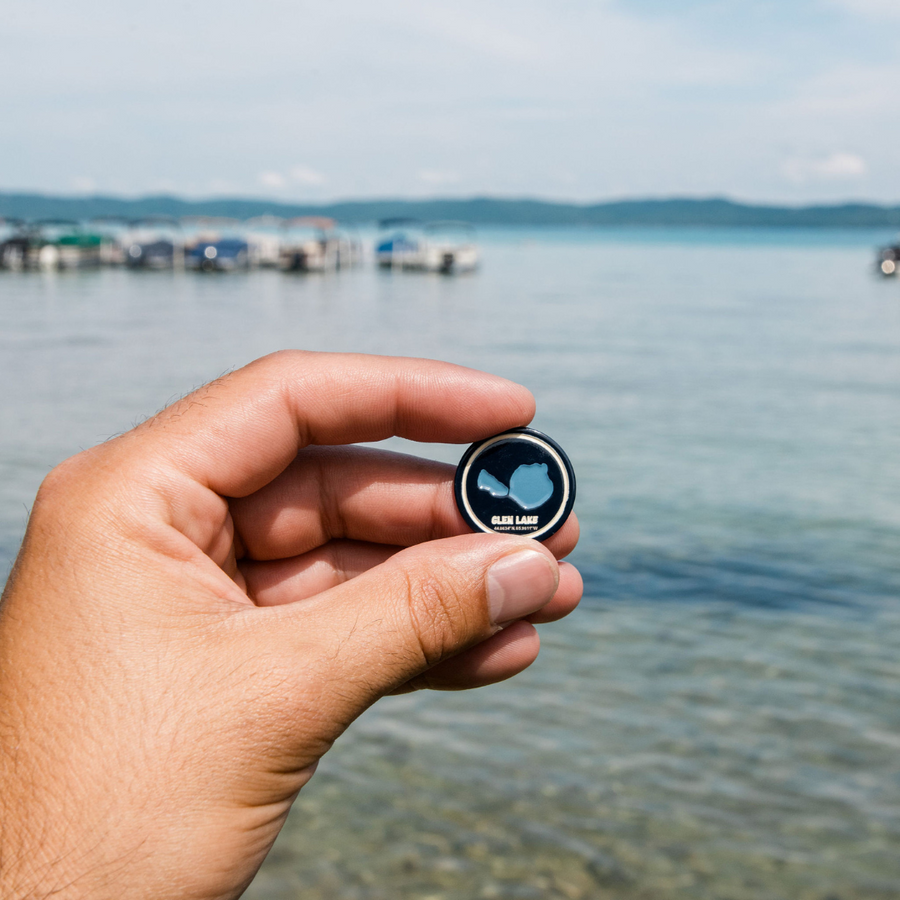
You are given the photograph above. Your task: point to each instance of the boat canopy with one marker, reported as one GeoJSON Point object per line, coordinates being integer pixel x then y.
{"type": "Point", "coordinates": [323, 223]}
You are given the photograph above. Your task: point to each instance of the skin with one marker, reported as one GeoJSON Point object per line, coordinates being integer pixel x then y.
{"type": "Point", "coordinates": [203, 605]}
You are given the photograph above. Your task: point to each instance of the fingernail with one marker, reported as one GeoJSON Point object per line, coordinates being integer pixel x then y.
{"type": "Point", "coordinates": [520, 584]}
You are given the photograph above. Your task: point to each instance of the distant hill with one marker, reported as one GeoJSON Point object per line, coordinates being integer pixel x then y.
{"type": "Point", "coordinates": [674, 213]}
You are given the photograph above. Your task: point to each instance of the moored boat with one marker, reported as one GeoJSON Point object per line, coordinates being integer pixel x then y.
{"type": "Point", "coordinates": [310, 244]}
{"type": "Point", "coordinates": [111, 230]}
{"type": "Point", "coordinates": [215, 246]}
{"type": "Point", "coordinates": [265, 236]}
{"type": "Point", "coordinates": [399, 244]}
{"type": "Point", "coordinates": [62, 244]}
{"type": "Point", "coordinates": [14, 244]}
{"type": "Point", "coordinates": [889, 260]}
{"type": "Point", "coordinates": [449, 248]}
{"type": "Point", "coordinates": [154, 242]}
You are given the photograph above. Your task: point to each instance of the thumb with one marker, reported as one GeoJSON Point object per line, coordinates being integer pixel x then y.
{"type": "Point", "coordinates": [417, 609]}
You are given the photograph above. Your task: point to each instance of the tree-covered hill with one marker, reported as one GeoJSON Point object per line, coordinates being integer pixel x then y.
{"type": "Point", "coordinates": [672, 213]}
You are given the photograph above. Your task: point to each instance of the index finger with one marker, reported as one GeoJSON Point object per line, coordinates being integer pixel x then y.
{"type": "Point", "coordinates": [238, 433]}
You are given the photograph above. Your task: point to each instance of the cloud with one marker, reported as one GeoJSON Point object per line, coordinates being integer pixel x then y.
{"type": "Point", "coordinates": [870, 9]}
{"type": "Point", "coordinates": [273, 180]}
{"type": "Point", "coordinates": [493, 33]}
{"type": "Point", "coordinates": [83, 184]}
{"type": "Point", "coordinates": [622, 96]}
{"type": "Point", "coordinates": [307, 176]}
{"type": "Point", "coordinates": [436, 178]}
{"type": "Point", "coordinates": [834, 167]}
{"type": "Point", "coordinates": [302, 175]}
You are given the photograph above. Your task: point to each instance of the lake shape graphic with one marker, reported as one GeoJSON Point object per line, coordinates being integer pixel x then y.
{"type": "Point", "coordinates": [530, 485]}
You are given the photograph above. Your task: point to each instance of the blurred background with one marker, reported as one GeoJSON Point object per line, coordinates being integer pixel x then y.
{"type": "Point", "coordinates": [676, 224]}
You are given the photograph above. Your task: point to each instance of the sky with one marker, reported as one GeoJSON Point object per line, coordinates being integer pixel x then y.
{"type": "Point", "coordinates": [785, 101]}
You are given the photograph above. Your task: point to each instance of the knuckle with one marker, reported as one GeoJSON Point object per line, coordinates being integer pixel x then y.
{"type": "Point", "coordinates": [61, 480]}
{"type": "Point", "coordinates": [83, 488]}
{"type": "Point", "coordinates": [58, 506]}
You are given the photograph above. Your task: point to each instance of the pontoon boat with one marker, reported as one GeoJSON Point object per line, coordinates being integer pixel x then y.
{"type": "Point", "coordinates": [310, 244]}
{"type": "Point", "coordinates": [399, 246]}
{"type": "Point", "coordinates": [215, 246]}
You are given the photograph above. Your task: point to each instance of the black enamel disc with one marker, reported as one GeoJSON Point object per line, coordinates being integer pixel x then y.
{"type": "Point", "coordinates": [518, 482]}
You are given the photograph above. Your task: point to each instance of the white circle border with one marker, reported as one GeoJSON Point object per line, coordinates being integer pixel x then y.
{"type": "Point", "coordinates": [519, 436]}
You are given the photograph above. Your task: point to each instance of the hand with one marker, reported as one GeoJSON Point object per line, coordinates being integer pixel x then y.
{"type": "Point", "coordinates": [201, 606]}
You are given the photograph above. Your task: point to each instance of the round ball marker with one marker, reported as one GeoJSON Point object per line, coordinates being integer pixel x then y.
{"type": "Point", "coordinates": [518, 482]}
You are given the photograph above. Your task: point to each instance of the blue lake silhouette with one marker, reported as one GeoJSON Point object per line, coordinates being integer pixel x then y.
{"type": "Point", "coordinates": [530, 485]}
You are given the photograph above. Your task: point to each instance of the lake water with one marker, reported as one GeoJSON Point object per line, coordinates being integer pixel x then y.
{"type": "Point", "coordinates": [721, 717]}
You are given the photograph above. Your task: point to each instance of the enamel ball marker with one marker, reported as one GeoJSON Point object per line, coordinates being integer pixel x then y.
{"type": "Point", "coordinates": [517, 482]}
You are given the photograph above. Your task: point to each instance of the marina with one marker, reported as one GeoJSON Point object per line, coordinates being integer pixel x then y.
{"type": "Point", "coordinates": [313, 244]}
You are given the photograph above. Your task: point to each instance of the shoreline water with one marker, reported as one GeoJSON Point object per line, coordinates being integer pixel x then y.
{"type": "Point", "coordinates": [720, 718]}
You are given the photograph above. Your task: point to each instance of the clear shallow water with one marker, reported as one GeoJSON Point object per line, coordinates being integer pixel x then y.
{"type": "Point", "coordinates": [721, 717]}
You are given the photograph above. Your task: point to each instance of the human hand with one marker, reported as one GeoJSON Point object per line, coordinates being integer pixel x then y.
{"type": "Point", "coordinates": [201, 606]}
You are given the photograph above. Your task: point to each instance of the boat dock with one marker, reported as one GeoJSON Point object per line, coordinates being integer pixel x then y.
{"type": "Point", "coordinates": [311, 244]}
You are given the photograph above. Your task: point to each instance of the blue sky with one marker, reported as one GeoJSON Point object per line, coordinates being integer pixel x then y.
{"type": "Point", "coordinates": [764, 101]}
